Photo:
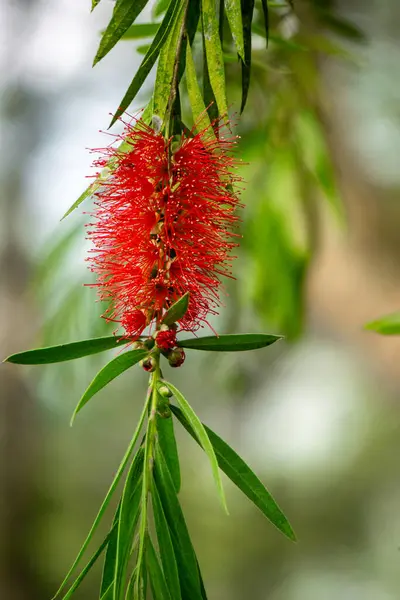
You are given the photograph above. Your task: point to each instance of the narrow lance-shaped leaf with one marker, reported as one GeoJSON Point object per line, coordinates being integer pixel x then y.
{"type": "Point", "coordinates": [124, 14]}
{"type": "Point", "coordinates": [343, 27]}
{"type": "Point", "coordinates": [231, 342]}
{"type": "Point", "coordinates": [192, 23]}
{"type": "Point", "coordinates": [184, 552]}
{"type": "Point", "coordinates": [140, 30]}
{"type": "Point", "coordinates": [158, 584]}
{"type": "Point", "coordinates": [108, 593]}
{"type": "Point", "coordinates": [87, 568]}
{"type": "Point", "coordinates": [177, 310]}
{"type": "Point", "coordinates": [166, 66]}
{"type": "Point", "coordinates": [234, 14]}
{"type": "Point", "coordinates": [159, 8]}
{"type": "Point", "coordinates": [167, 441]}
{"type": "Point", "coordinates": [107, 578]}
{"type": "Point", "coordinates": [388, 325]}
{"type": "Point", "coordinates": [242, 476]}
{"type": "Point", "coordinates": [200, 114]}
{"type": "Point", "coordinates": [90, 190]}
{"type": "Point", "coordinates": [150, 58]}
{"type": "Point", "coordinates": [128, 517]}
{"type": "Point", "coordinates": [114, 368]}
{"type": "Point", "coordinates": [110, 561]}
{"type": "Point", "coordinates": [247, 17]}
{"type": "Point", "coordinates": [202, 588]}
{"type": "Point", "coordinates": [54, 254]}
{"type": "Point", "coordinates": [63, 352]}
{"type": "Point", "coordinates": [202, 436]}
{"type": "Point", "coordinates": [166, 548]}
{"type": "Point", "coordinates": [215, 60]}
{"type": "Point", "coordinates": [107, 499]}
{"type": "Point", "coordinates": [208, 94]}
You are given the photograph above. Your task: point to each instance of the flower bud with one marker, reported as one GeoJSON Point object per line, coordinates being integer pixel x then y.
{"type": "Point", "coordinates": [149, 364]}
{"type": "Point", "coordinates": [164, 391]}
{"type": "Point", "coordinates": [166, 340]}
{"type": "Point", "coordinates": [139, 345]}
{"type": "Point", "coordinates": [176, 357]}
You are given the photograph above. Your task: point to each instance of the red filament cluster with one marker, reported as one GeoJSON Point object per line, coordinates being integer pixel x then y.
{"type": "Point", "coordinates": [163, 225]}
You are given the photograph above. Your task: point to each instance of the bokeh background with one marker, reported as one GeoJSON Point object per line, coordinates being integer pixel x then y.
{"type": "Point", "coordinates": [317, 416]}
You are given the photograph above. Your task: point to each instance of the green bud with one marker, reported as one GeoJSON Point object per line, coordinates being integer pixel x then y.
{"type": "Point", "coordinates": [138, 345]}
{"type": "Point", "coordinates": [149, 364]}
{"type": "Point", "coordinates": [164, 391]}
{"type": "Point", "coordinates": [176, 357]}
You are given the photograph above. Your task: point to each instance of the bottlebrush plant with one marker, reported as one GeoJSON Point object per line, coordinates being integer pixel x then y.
{"type": "Point", "coordinates": [163, 230]}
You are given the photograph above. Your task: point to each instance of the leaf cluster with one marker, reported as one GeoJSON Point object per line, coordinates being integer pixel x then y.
{"type": "Point", "coordinates": [163, 559]}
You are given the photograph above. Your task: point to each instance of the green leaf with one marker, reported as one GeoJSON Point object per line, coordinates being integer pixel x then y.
{"type": "Point", "coordinates": [208, 94]}
{"type": "Point", "coordinates": [264, 4]}
{"type": "Point", "coordinates": [202, 436]}
{"type": "Point", "coordinates": [90, 190]}
{"type": "Point", "coordinates": [53, 354]}
{"type": "Point", "coordinates": [177, 310]}
{"type": "Point", "coordinates": [158, 584]}
{"type": "Point", "coordinates": [140, 30]}
{"type": "Point", "coordinates": [166, 66]}
{"type": "Point", "coordinates": [286, 44]}
{"type": "Point", "coordinates": [159, 8]}
{"type": "Point", "coordinates": [107, 579]}
{"type": "Point", "coordinates": [247, 17]}
{"type": "Point", "coordinates": [242, 476]}
{"type": "Point", "coordinates": [108, 497]}
{"type": "Point", "coordinates": [215, 60]}
{"type": "Point", "coordinates": [128, 517]}
{"type": "Point", "coordinates": [109, 568]}
{"type": "Point", "coordinates": [167, 441]}
{"type": "Point", "coordinates": [150, 58]}
{"type": "Point", "coordinates": [202, 588]}
{"type": "Point", "coordinates": [108, 593]}
{"type": "Point", "coordinates": [235, 342]}
{"type": "Point", "coordinates": [115, 367]}
{"type": "Point", "coordinates": [143, 49]}
{"type": "Point", "coordinates": [313, 155]}
{"type": "Point", "coordinates": [87, 568]}
{"type": "Point", "coordinates": [95, 3]}
{"type": "Point", "coordinates": [234, 14]}
{"type": "Point", "coordinates": [388, 325]}
{"type": "Point", "coordinates": [184, 553]}
{"type": "Point", "coordinates": [53, 256]}
{"type": "Point", "coordinates": [124, 14]}
{"type": "Point", "coordinates": [200, 115]}
{"type": "Point", "coordinates": [166, 548]}
{"type": "Point", "coordinates": [341, 26]}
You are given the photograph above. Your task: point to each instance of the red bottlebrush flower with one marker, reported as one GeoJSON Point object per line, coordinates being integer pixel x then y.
{"type": "Point", "coordinates": [166, 340]}
{"type": "Point", "coordinates": [163, 227]}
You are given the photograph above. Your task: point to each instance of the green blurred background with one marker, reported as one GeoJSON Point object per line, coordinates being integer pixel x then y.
{"type": "Point", "coordinates": [317, 416]}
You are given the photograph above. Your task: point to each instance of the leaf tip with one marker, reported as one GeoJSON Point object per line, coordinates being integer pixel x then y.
{"type": "Point", "coordinates": [371, 326]}
{"type": "Point", "coordinates": [290, 534]}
